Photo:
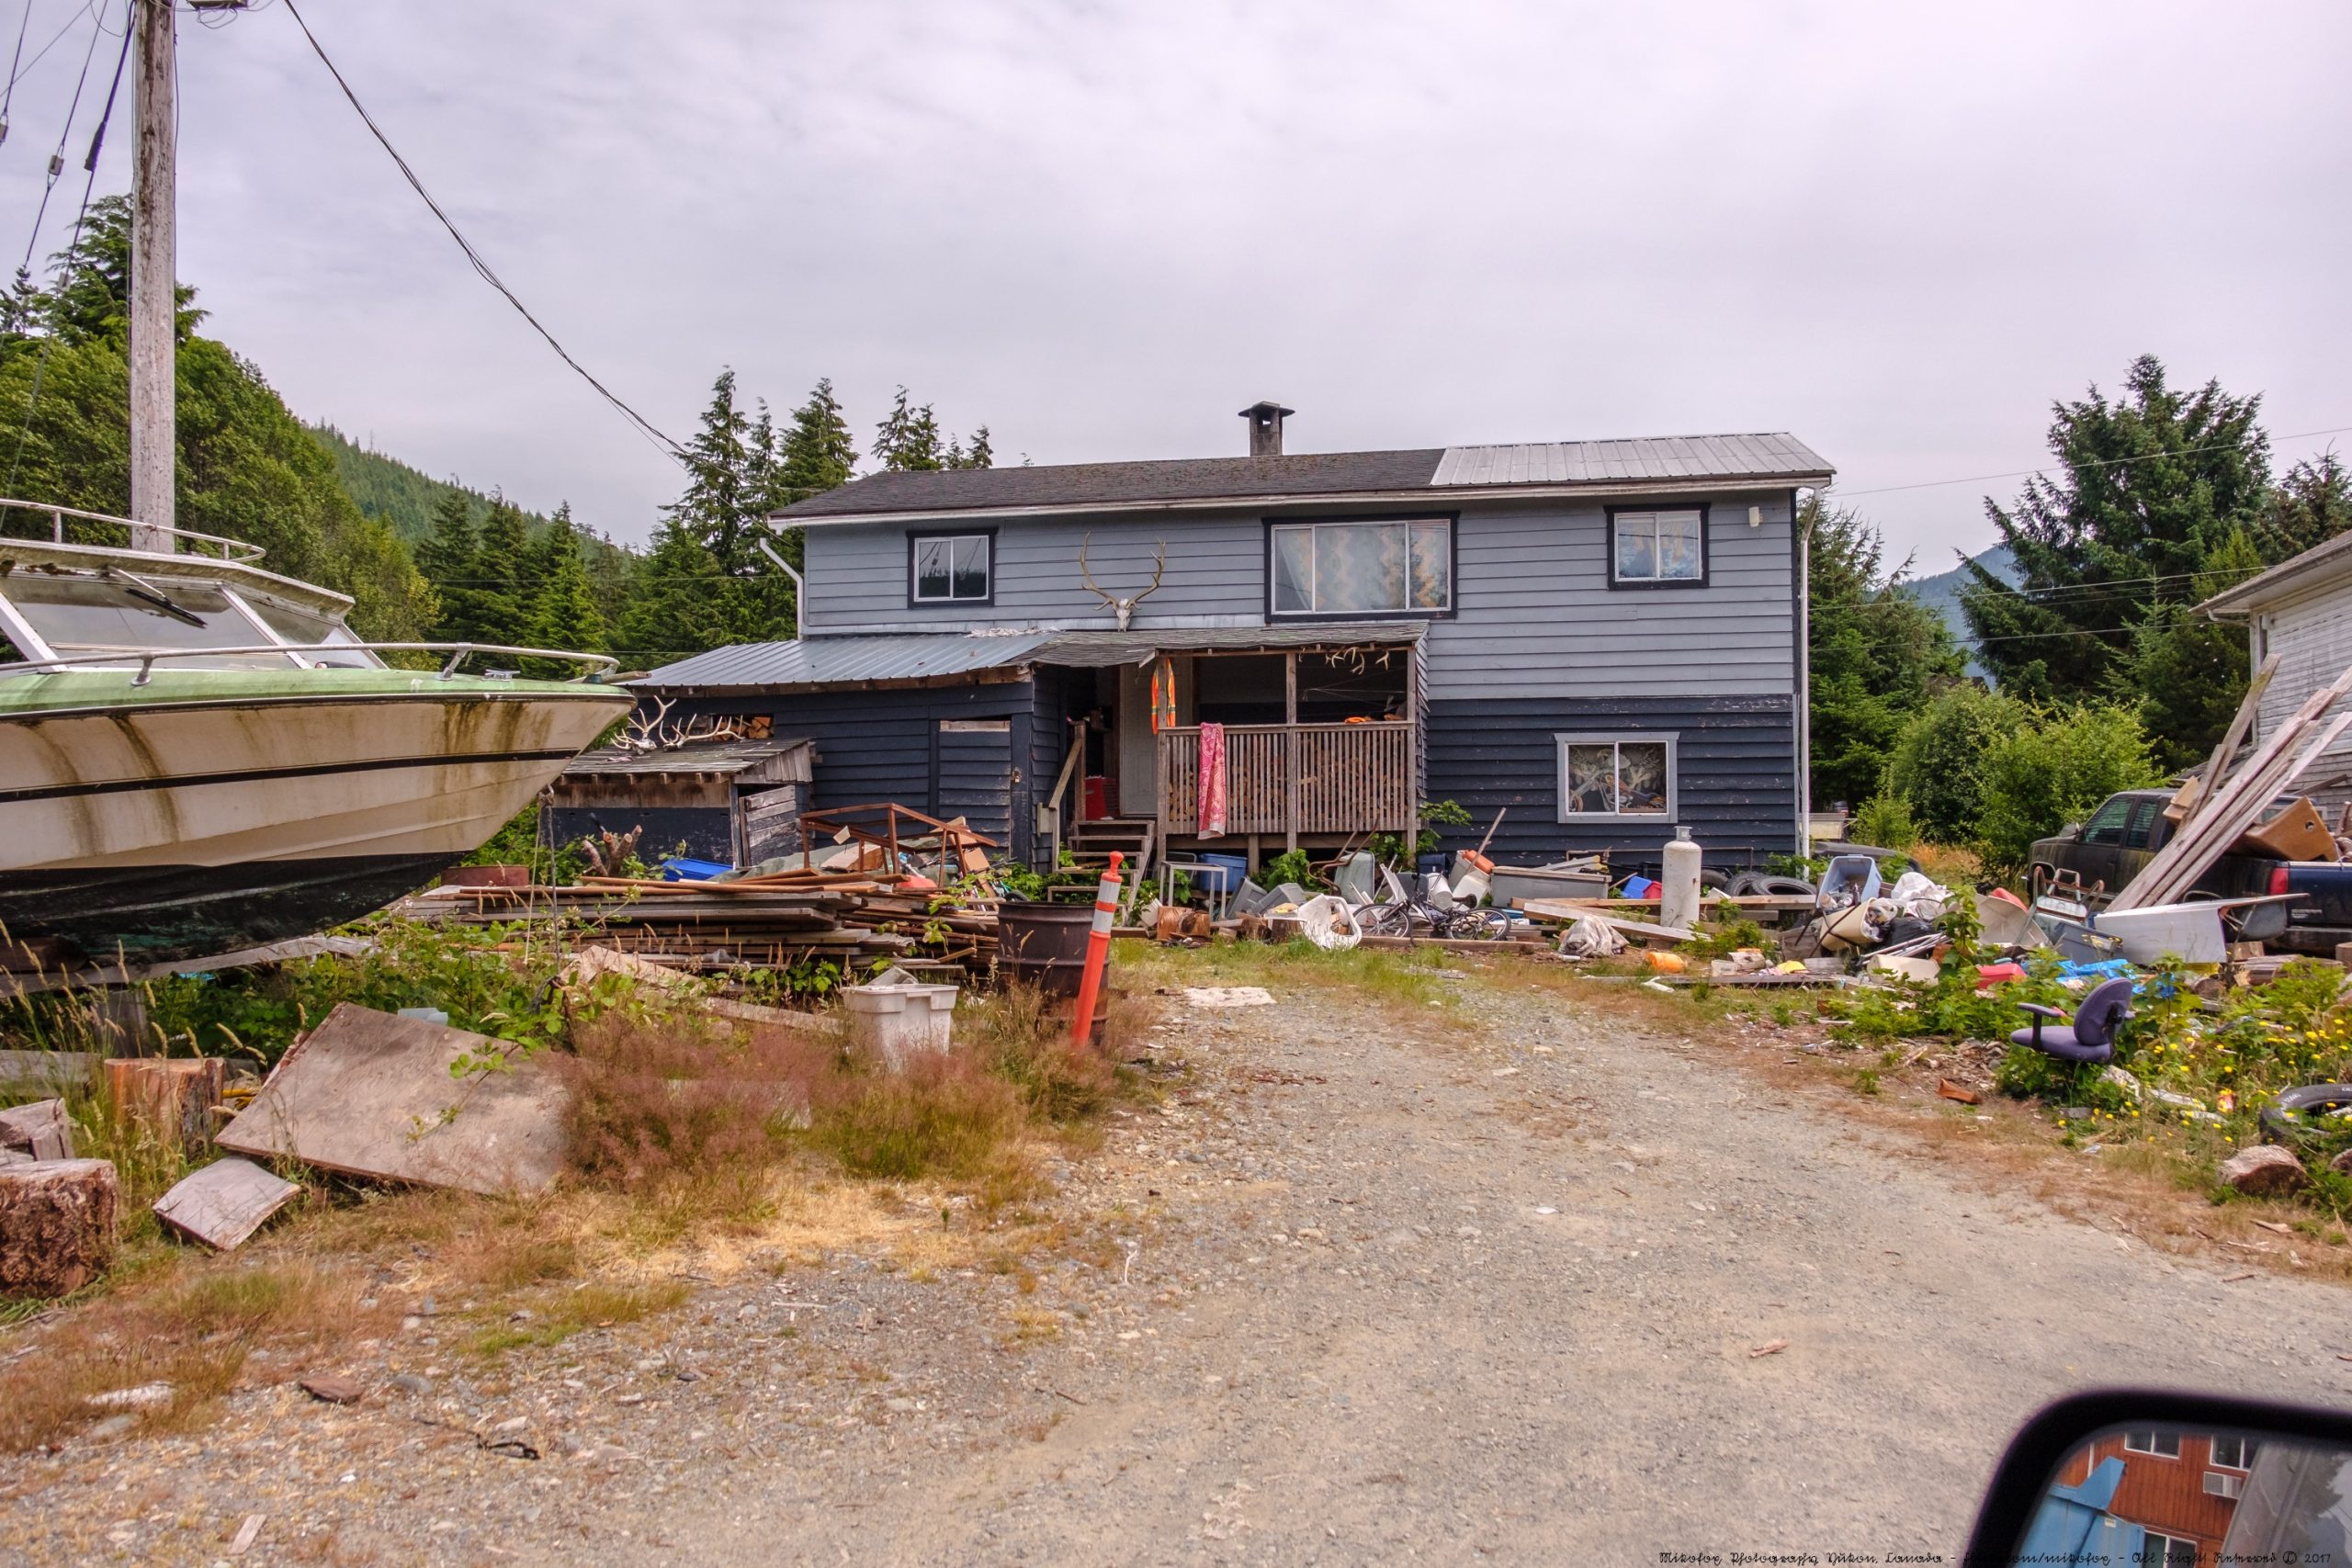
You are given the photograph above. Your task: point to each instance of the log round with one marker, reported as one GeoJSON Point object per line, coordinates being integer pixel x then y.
{"type": "Point", "coordinates": [57, 1224]}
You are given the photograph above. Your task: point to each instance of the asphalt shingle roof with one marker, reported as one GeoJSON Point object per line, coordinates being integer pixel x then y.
{"type": "Point", "coordinates": [1773, 458]}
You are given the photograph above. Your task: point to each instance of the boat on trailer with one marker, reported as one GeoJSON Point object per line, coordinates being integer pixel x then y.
{"type": "Point", "coordinates": [197, 755]}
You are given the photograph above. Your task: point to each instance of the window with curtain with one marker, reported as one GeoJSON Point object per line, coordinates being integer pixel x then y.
{"type": "Point", "coordinates": [1617, 775]}
{"type": "Point", "coordinates": [1658, 547]}
{"type": "Point", "coordinates": [1362, 568]}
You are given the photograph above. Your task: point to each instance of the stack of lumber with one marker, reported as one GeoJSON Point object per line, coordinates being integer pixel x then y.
{"type": "Point", "coordinates": [970, 928]}
{"type": "Point", "coordinates": [2215, 821]}
{"type": "Point", "coordinates": [770, 924]}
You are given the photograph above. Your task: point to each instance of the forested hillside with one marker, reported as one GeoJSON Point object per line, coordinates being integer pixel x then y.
{"type": "Point", "coordinates": [424, 558]}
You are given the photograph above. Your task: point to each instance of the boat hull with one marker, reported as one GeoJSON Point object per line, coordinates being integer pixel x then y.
{"type": "Point", "coordinates": [213, 812]}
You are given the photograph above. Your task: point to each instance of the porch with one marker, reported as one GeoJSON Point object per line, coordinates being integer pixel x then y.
{"type": "Point", "coordinates": [1298, 780]}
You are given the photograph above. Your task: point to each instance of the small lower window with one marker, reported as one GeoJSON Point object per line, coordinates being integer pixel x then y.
{"type": "Point", "coordinates": [2163, 1445]}
{"type": "Point", "coordinates": [2229, 1453]}
{"type": "Point", "coordinates": [2168, 1552]}
{"type": "Point", "coordinates": [1617, 775]}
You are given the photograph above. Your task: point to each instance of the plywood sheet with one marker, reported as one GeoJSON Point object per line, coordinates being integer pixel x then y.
{"type": "Point", "coordinates": [369, 1094]}
{"type": "Point", "coordinates": [225, 1202]}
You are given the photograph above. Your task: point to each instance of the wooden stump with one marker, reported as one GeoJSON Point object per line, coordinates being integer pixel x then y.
{"type": "Point", "coordinates": [57, 1224]}
{"type": "Point", "coordinates": [171, 1098]}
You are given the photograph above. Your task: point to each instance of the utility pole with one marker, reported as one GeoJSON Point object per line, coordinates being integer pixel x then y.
{"type": "Point", "coordinates": [154, 308]}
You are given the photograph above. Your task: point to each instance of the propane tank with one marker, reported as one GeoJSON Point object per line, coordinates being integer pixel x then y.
{"type": "Point", "coordinates": [1678, 896]}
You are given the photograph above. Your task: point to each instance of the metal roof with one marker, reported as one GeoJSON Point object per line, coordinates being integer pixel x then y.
{"type": "Point", "coordinates": [1417, 474]}
{"type": "Point", "coordinates": [845, 660]}
{"type": "Point", "coordinates": [721, 757]}
{"type": "Point", "coordinates": [2288, 577]}
{"type": "Point", "coordinates": [1773, 455]}
{"type": "Point", "coordinates": [919, 657]}
{"type": "Point", "coordinates": [1086, 648]}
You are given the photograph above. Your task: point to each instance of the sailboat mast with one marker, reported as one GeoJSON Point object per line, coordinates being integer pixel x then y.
{"type": "Point", "coordinates": [153, 275]}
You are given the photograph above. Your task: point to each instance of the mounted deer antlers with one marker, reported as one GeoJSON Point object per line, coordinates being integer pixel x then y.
{"type": "Point", "coordinates": [653, 733]}
{"type": "Point", "coordinates": [1124, 608]}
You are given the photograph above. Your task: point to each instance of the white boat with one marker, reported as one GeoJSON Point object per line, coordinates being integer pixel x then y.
{"type": "Point", "coordinates": [197, 755]}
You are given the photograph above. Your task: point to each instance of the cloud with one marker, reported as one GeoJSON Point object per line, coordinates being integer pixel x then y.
{"type": "Point", "coordinates": [1101, 228]}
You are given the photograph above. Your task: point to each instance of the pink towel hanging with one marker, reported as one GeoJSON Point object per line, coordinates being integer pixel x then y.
{"type": "Point", "coordinates": [1212, 803]}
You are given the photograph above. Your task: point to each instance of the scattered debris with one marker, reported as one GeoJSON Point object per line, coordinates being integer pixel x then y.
{"type": "Point", "coordinates": [1228, 997]}
{"type": "Point", "coordinates": [900, 1019]}
{"type": "Point", "coordinates": [225, 1202]}
{"type": "Point", "coordinates": [38, 1130]}
{"type": "Point", "coordinates": [2264, 1170]}
{"type": "Point", "coordinates": [334, 1389]}
{"type": "Point", "coordinates": [57, 1224]}
{"type": "Point", "coordinates": [247, 1533]}
{"type": "Point", "coordinates": [1950, 1090]}
{"type": "Point", "coordinates": [145, 1396]}
{"type": "Point", "coordinates": [1770, 1348]}
{"type": "Point", "coordinates": [370, 1094]}
{"type": "Point", "coordinates": [171, 1097]}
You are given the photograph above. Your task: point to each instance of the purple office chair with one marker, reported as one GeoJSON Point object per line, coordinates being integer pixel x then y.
{"type": "Point", "coordinates": [2091, 1037]}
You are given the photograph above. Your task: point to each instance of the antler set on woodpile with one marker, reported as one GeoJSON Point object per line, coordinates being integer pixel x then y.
{"type": "Point", "coordinates": [1124, 608]}
{"type": "Point", "coordinates": [655, 732]}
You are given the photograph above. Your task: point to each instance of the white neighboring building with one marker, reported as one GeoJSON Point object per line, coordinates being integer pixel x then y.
{"type": "Point", "coordinates": [2301, 610]}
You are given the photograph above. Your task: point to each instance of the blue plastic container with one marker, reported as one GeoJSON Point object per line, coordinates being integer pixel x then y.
{"type": "Point", "coordinates": [683, 870]}
{"type": "Point", "coordinates": [1225, 875]}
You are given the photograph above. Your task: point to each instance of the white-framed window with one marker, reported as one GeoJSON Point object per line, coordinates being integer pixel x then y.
{"type": "Point", "coordinates": [2158, 1445]}
{"type": "Point", "coordinates": [1401, 568]}
{"type": "Point", "coordinates": [2161, 1550]}
{"type": "Point", "coordinates": [951, 569]}
{"type": "Point", "coordinates": [2232, 1454]}
{"type": "Point", "coordinates": [1663, 547]}
{"type": "Point", "coordinates": [1617, 776]}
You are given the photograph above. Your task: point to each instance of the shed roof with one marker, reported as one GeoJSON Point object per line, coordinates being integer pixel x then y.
{"type": "Point", "coordinates": [2329, 557]}
{"type": "Point", "coordinates": [729, 757]}
{"type": "Point", "coordinates": [1426, 473]}
{"type": "Point", "coordinates": [917, 657]}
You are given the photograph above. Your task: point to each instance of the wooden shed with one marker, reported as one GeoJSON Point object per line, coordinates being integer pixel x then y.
{"type": "Point", "coordinates": [734, 801]}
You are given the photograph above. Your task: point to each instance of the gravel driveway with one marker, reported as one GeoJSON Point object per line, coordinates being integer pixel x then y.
{"type": "Point", "coordinates": [1482, 1284]}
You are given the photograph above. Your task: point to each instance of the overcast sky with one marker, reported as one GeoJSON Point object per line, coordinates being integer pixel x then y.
{"type": "Point", "coordinates": [1102, 229]}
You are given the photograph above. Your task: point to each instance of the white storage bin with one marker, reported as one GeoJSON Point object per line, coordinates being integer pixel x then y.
{"type": "Point", "coordinates": [902, 1020]}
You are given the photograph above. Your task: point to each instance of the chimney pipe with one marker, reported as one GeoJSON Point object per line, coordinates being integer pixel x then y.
{"type": "Point", "coordinates": [1266, 427]}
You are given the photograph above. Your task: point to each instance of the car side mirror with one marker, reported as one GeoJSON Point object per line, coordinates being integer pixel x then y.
{"type": "Point", "coordinates": [2139, 1476]}
{"type": "Point", "coordinates": [2071, 830]}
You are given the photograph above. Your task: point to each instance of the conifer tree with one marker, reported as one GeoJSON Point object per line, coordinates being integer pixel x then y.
{"type": "Point", "coordinates": [450, 557]}
{"type": "Point", "coordinates": [680, 606]}
{"type": "Point", "coordinates": [502, 563]}
{"type": "Point", "coordinates": [563, 605]}
{"type": "Point", "coordinates": [817, 452]}
{"type": "Point", "coordinates": [908, 438]}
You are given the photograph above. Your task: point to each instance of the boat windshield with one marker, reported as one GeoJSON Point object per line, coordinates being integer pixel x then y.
{"type": "Point", "coordinates": [322, 641]}
{"type": "Point", "coordinates": [121, 613]}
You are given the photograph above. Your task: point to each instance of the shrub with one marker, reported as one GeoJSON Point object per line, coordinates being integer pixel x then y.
{"type": "Point", "coordinates": [1886, 823]}
{"type": "Point", "coordinates": [942, 1115]}
{"type": "Point", "coordinates": [1937, 766]}
{"type": "Point", "coordinates": [657, 1092]}
{"type": "Point", "coordinates": [2050, 769]}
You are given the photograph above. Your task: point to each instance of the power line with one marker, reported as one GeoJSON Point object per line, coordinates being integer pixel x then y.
{"type": "Point", "coordinates": [57, 302]}
{"type": "Point", "coordinates": [57, 159]}
{"type": "Point", "coordinates": [643, 424]}
{"type": "Point", "coordinates": [2097, 463]}
{"type": "Point", "coordinates": [16, 74]}
{"type": "Point", "coordinates": [8, 96]}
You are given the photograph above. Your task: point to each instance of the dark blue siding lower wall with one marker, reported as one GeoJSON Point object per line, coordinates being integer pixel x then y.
{"type": "Point", "coordinates": [1735, 761]}
{"type": "Point", "coordinates": [707, 833]}
{"type": "Point", "coordinates": [875, 746]}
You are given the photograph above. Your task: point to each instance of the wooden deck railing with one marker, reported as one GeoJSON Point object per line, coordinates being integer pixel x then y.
{"type": "Point", "coordinates": [1295, 778]}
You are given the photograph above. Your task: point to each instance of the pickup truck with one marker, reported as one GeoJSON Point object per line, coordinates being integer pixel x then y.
{"type": "Point", "coordinates": [2107, 851]}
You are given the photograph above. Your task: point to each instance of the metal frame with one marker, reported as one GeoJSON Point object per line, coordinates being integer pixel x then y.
{"type": "Point", "coordinates": [231, 549]}
{"type": "Point", "coordinates": [458, 652]}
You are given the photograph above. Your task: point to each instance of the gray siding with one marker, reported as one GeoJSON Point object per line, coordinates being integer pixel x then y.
{"type": "Point", "coordinates": [1735, 774]}
{"type": "Point", "coordinates": [857, 575]}
{"type": "Point", "coordinates": [1535, 615]}
{"type": "Point", "coordinates": [1538, 619]}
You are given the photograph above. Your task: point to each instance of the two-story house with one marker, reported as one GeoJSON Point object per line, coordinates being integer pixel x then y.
{"type": "Point", "coordinates": [1601, 640]}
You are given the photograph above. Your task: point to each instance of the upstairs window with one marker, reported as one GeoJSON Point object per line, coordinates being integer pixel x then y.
{"type": "Point", "coordinates": [951, 569]}
{"type": "Point", "coordinates": [1404, 567]}
{"type": "Point", "coordinates": [1659, 550]}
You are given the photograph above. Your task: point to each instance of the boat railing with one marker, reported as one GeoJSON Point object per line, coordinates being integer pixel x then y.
{"type": "Point", "coordinates": [226, 550]}
{"type": "Point", "coordinates": [598, 664]}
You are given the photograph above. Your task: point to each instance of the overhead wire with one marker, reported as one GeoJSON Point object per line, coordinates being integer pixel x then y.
{"type": "Point", "coordinates": [17, 73]}
{"type": "Point", "coordinates": [57, 159]}
{"type": "Point", "coordinates": [2095, 463]}
{"type": "Point", "coordinates": [89, 185]}
{"type": "Point", "coordinates": [8, 94]}
{"type": "Point", "coordinates": [644, 426]}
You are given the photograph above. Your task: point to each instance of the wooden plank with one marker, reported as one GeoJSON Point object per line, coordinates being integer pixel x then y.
{"type": "Point", "coordinates": [370, 1094]}
{"type": "Point", "coordinates": [1569, 910]}
{"type": "Point", "coordinates": [225, 1202]}
{"type": "Point", "coordinates": [38, 1130]}
{"type": "Point", "coordinates": [2197, 791]}
{"type": "Point", "coordinates": [52, 1070]}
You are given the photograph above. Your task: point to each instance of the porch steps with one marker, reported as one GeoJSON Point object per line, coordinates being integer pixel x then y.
{"type": "Point", "coordinates": [1091, 844]}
